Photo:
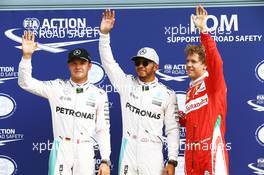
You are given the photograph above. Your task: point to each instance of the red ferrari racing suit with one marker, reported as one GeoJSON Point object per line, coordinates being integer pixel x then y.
{"type": "Point", "coordinates": [205, 119]}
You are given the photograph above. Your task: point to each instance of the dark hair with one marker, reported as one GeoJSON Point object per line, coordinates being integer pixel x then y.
{"type": "Point", "coordinates": [192, 49]}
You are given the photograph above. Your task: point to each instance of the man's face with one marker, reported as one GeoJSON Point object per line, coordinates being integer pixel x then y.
{"type": "Point", "coordinates": [145, 69]}
{"type": "Point", "coordinates": [79, 70]}
{"type": "Point", "coordinates": [195, 67]}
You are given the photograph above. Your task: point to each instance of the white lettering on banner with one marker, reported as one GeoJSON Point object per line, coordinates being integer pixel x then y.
{"type": "Point", "coordinates": [221, 28]}
{"type": "Point", "coordinates": [7, 131]}
{"type": "Point", "coordinates": [41, 147]}
{"type": "Point", "coordinates": [64, 23]}
{"type": "Point", "coordinates": [190, 29]}
{"type": "Point", "coordinates": [257, 104]}
{"type": "Point", "coordinates": [66, 27]}
{"type": "Point", "coordinates": [224, 24]}
{"type": "Point", "coordinates": [196, 103]}
{"type": "Point", "coordinates": [229, 38]}
{"type": "Point", "coordinates": [57, 28]}
{"type": "Point", "coordinates": [177, 39]}
{"type": "Point", "coordinates": [7, 73]}
{"type": "Point", "coordinates": [248, 38]}
{"type": "Point", "coordinates": [31, 23]}
{"type": "Point", "coordinates": [7, 69]}
{"type": "Point", "coordinates": [107, 88]}
{"type": "Point", "coordinates": [9, 135]}
{"type": "Point", "coordinates": [87, 32]}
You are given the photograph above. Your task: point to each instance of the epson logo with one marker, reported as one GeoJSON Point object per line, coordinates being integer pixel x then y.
{"type": "Point", "coordinates": [7, 165]}
{"type": "Point", "coordinates": [259, 71]}
{"type": "Point", "coordinates": [8, 106]}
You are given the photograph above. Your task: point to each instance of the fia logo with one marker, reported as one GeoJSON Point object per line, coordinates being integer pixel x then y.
{"type": "Point", "coordinates": [31, 24]}
{"type": "Point", "coordinates": [258, 167]}
{"type": "Point", "coordinates": [176, 72]}
{"type": "Point", "coordinates": [258, 103]}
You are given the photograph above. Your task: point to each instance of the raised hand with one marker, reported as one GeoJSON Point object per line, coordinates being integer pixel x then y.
{"type": "Point", "coordinates": [168, 170]}
{"type": "Point", "coordinates": [200, 18]}
{"type": "Point", "coordinates": [28, 44]}
{"type": "Point", "coordinates": [108, 20]}
{"type": "Point", "coordinates": [104, 169]}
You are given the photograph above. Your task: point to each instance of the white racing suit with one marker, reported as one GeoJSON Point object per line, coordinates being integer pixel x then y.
{"type": "Point", "coordinates": [80, 115]}
{"type": "Point", "coordinates": [146, 108]}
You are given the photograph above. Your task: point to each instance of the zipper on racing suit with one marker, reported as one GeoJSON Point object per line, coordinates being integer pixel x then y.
{"type": "Point", "coordinates": [193, 142]}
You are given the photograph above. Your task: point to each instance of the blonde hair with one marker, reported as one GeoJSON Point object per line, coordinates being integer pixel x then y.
{"type": "Point", "coordinates": [192, 49]}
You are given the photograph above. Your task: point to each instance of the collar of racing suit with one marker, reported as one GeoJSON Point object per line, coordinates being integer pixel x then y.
{"type": "Point", "coordinates": [198, 80]}
{"type": "Point", "coordinates": [83, 85]}
{"type": "Point", "coordinates": [148, 85]}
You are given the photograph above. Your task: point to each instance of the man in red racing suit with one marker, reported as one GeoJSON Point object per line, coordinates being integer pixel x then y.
{"type": "Point", "coordinates": [205, 110]}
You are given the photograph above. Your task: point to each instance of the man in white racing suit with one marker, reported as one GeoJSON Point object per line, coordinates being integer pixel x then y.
{"type": "Point", "coordinates": [147, 105]}
{"type": "Point", "coordinates": [80, 113]}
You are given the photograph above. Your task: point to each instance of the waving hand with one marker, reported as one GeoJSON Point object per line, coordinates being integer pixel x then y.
{"type": "Point", "coordinates": [200, 18]}
{"type": "Point", "coordinates": [108, 21]}
{"type": "Point", "coordinates": [28, 44]}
